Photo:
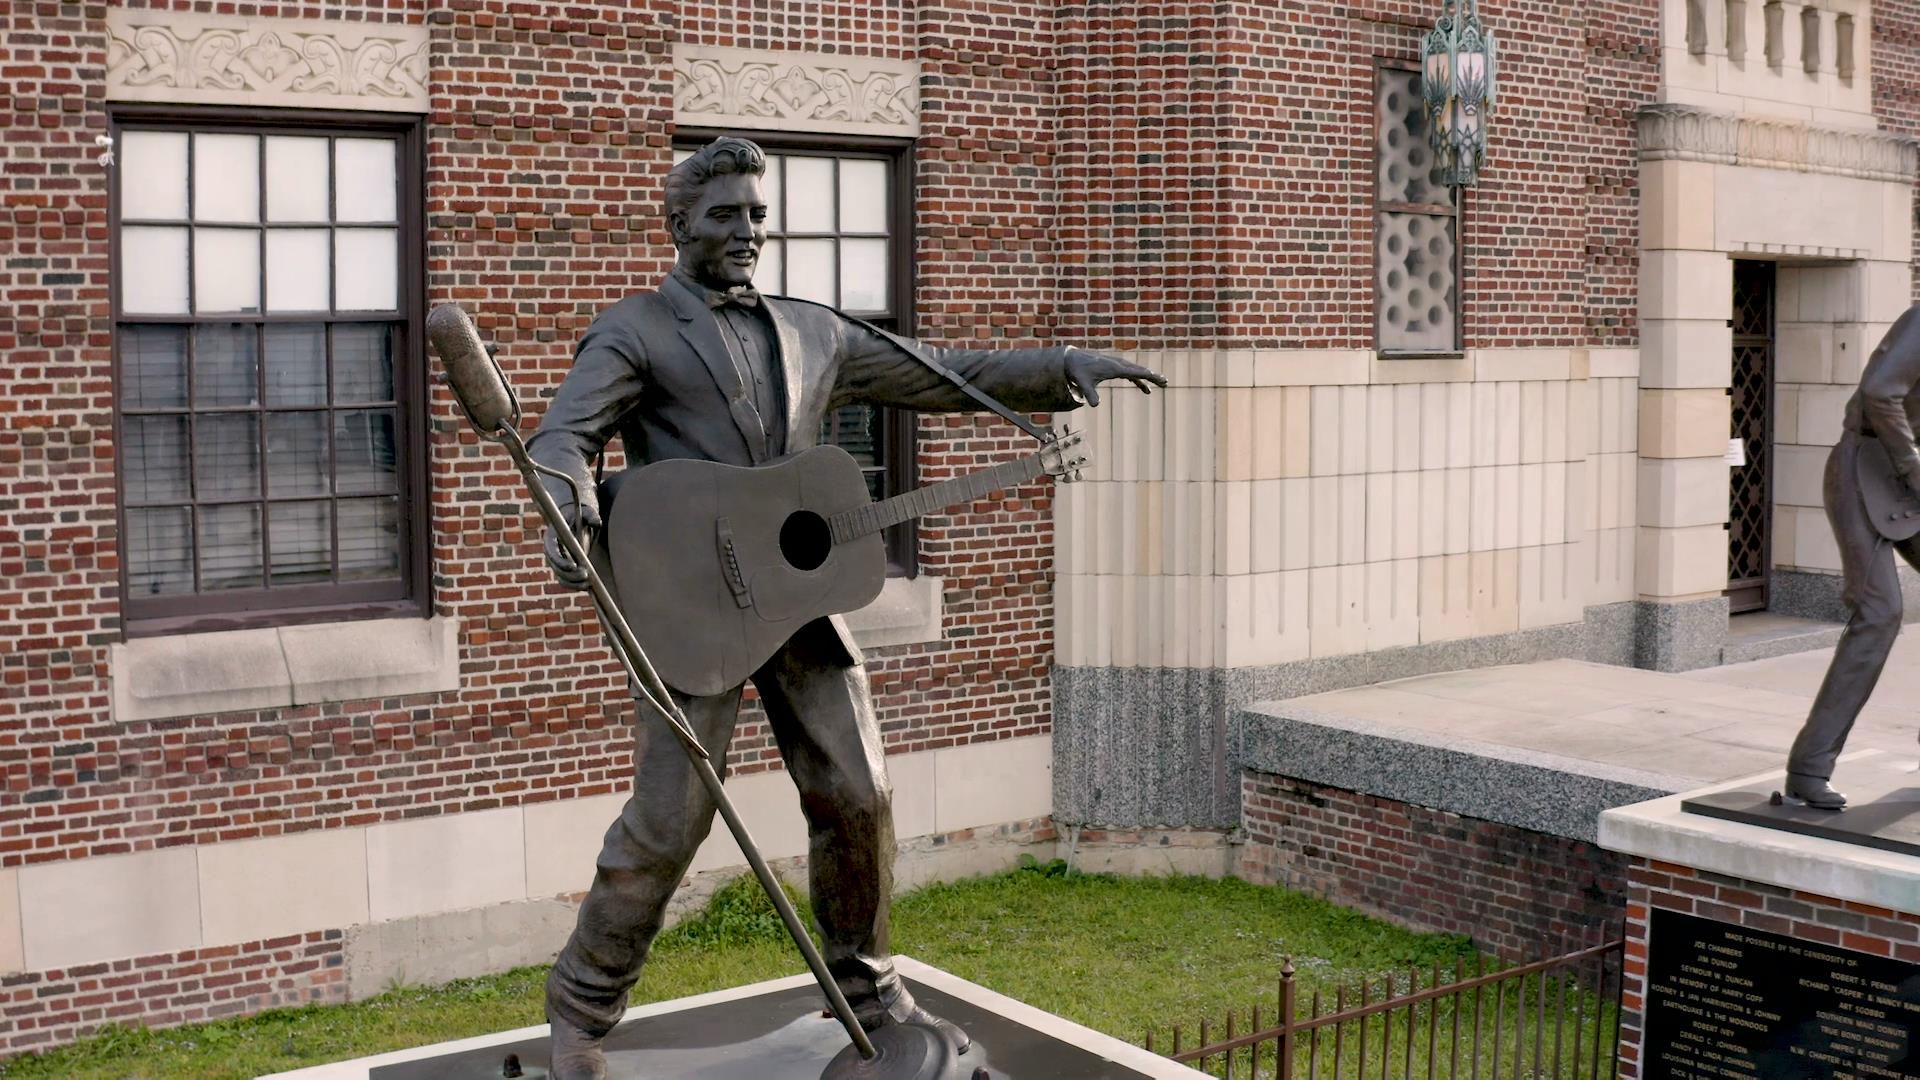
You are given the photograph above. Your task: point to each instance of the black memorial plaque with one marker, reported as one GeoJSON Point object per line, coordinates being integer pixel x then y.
{"type": "Point", "coordinates": [1724, 1001]}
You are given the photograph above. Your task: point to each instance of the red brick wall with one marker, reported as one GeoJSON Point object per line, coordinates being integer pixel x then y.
{"type": "Point", "coordinates": [45, 1008]}
{"type": "Point", "coordinates": [1896, 76]}
{"type": "Point", "coordinates": [1551, 232]}
{"type": "Point", "coordinates": [1523, 895]}
{"type": "Point", "coordinates": [1800, 915]}
{"type": "Point", "coordinates": [543, 209]}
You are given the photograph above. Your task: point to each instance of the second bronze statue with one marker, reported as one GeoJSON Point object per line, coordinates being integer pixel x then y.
{"type": "Point", "coordinates": [1870, 488]}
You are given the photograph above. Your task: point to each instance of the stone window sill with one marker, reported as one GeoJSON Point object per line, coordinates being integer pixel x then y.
{"type": "Point", "coordinates": [907, 612]}
{"type": "Point", "coordinates": [194, 674]}
{"type": "Point", "coordinates": [1420, 354]}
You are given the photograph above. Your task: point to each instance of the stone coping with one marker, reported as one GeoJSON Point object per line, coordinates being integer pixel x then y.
{"type": "Point", "coordinates": [1122, 1053]}
{"type": "Point", "coordinates": [1658, 830]}
{"type": "Point", "coordinates": [1530, 789]}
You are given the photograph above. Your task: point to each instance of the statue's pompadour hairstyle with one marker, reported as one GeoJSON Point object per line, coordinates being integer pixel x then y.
{"type": "Point", "coordinates": [724, 155]}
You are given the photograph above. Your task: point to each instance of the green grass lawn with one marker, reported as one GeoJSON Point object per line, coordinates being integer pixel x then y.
{"type": "Point", "coordinates": [1116, 954]}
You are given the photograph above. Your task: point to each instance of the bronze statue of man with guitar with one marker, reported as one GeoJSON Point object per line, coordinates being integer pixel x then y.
{"type": "Point", "coordinates": [733, 544]}
{"type": "Point", "coordinates": [1872, 478]}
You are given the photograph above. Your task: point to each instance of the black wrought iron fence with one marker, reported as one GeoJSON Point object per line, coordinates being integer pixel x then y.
{"type": "Point", "coordinates": [1556, 1017]}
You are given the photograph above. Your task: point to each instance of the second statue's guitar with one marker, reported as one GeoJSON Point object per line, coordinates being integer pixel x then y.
{"type": "Point", "coordinates": [716, 566]}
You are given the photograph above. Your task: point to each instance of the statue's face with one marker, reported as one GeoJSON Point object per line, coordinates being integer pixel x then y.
{"type": "Point", "coordinates": [720, 236]}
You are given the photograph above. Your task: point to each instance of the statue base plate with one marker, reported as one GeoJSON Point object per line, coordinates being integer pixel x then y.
{"type": "Point", "coordinates": [1883, 806]}
{"type": "Point", "coordinates": [778, 1030]}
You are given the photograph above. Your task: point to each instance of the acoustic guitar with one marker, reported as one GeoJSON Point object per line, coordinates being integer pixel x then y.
{"type": "Point", "coordinates": [716, 566]}
{"type": "Point", "coordinates": [1890, 503]}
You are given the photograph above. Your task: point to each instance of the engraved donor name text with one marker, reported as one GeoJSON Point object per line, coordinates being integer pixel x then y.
{"type": "Point", "coordinates": [1728, 1002]}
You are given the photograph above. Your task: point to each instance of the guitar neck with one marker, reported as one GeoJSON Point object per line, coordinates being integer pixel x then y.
{"type": "Point", "coordinates": [919, 502]}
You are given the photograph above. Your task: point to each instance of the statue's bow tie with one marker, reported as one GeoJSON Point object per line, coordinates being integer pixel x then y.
{"type": "Point", "coordinates": [745, 296]}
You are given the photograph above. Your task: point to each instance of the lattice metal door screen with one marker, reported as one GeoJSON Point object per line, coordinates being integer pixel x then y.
{"type": "Point", "coordinates": [1750, 487]}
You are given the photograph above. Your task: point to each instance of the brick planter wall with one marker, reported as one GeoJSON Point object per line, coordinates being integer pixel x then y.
{"type": "Point", "coordinates": [41, 1008]}
{"type": "Point", "coordinates": [1518, 893]}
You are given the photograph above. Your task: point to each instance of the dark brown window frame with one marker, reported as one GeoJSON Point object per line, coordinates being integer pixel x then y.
{"type": "Point", "coordinates": [1458, 211]}
{"type": "Point", "coordinates": [898, 428]}
{"type": "Point", "coordinates": [291, 605]}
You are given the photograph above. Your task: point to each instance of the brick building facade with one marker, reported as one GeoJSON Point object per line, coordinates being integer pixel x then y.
{"type": "Point", "coordinates": [215, 804]}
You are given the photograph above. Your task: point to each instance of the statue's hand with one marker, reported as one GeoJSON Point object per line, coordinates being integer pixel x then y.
{"type": "Point", "coordinates": [1087, 369]}
{"type": "Point", "coordinates": [585, 515]}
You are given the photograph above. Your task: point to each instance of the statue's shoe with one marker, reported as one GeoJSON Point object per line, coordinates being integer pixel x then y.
{"type": "Point", "coordinates": [575, 1054]}
{"type": "Point", "coordinates": [1815, 791]}
{"type": "Point", "coordinates": [900, 1008]}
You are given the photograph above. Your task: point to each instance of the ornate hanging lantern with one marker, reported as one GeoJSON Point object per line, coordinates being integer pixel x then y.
{"type": "Point", "coordinates": [1457, 80]}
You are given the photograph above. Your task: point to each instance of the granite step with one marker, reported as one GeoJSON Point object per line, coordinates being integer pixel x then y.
{"type": "Point", "coordinates": [1762, 634]}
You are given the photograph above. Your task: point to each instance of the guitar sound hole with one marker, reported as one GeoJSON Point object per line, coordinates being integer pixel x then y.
{"type": "Point", "coordinates": [805, 540]}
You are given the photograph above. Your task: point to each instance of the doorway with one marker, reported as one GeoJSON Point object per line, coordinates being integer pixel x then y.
{"type": "Point", "coordinates": [1750, 485]}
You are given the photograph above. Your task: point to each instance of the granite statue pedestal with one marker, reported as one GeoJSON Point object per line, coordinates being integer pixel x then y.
{"type": "Point", "coordinates": [777, 1030]}
{"type": "Point", "coordinates": [1769, 940]}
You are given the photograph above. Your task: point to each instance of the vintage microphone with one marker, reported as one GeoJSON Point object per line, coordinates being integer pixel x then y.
{"type": "Point", "coordinates": [894, 1051]}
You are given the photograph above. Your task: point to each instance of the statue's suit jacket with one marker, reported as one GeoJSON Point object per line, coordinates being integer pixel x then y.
{"type": "Point", "coordinates": [655, 370]}
{"type": "Point", "coordinates": [1884, 412]}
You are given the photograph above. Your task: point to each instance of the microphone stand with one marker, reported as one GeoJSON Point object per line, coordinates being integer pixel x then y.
{"type": "Point", "coordinates": [640, 672]}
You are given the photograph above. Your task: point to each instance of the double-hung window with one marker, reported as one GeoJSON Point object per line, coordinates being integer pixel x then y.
{"type": "Point", "coordinates": [839, 231]}
{"type": "Point", "coordinates": [267, 301]}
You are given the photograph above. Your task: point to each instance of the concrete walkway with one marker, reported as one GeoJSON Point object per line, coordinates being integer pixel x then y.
{"type": "Point", "coordinates": [1706, 726]}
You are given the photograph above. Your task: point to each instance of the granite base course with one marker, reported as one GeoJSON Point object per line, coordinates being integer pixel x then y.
{"type": "Point", "coordinates": [1680, 636]}
{"type": "Point", "coordinates": [1146, 747]}
{"type": "Point", "coordinates": [1817, 596]}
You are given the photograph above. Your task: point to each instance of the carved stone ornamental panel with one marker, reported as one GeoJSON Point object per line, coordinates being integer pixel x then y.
{"type": "Point", "coordinates": [795, 91]}
{"type": "Point", "coordinates": [230, 60]}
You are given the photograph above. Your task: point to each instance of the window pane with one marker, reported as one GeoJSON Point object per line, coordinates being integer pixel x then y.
{"type": "Point", "coordinates": [1416, 282]}
{"type": "Point", "coordinates": [365, 269]}
{"type": "Point", "coordinates": [226, 455]}
{"type": "Point", "coordinates": [159, 546]}
{"type": "Point", "coordinates": [297, 270]}
{"type": "Point", "coordinates": [855, 429]}
{"type": "Point", "coordinates": [771, 275]}
{"type": "Point", "coordinates": [297, 364]}
{"type": "Point", "coordinates": [362, 363]}
{"type": "Point", "coordinates": [296, 454]}
{"type": "Point", "coordinates": [153, 270]}
{"type": "Point", "coordinates": [809, 194]}
{"type": "Point", "coordinates": [1406, 159]}
{"type": "Point", "coordinates": [770, 186]}
{"type": "Point", "coordinates": [155, 459]}
{"type": "Point", "coordinates": [226, 270]}
{"type": "Point", "coordinates": [296, 178]}
{"type": "Point", "coordinates": [226, 177]}
{"type": "Point", "coordinates": [226, 364]}
{"type": "Point", "coordinates": [230, 555]}
{"type": "Point", "coordinates": [863, 275]}
{"type": "Point", "coordinates": [810, 273]}
{"type": "Point", "coordinates": [369, 539]}
{"type": "Point", "coordinates": [363, 451]}
{"type": "Point", "coordinates": [366, 177]}
{"type": "Point", "coordinates": [153, 367]}
{"type": "Point", "coordinates": [863, 195]}
{"type": "Point", "coordinates": [302, 540]}
{"type": "Point", "coordinates": [153, 175]}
